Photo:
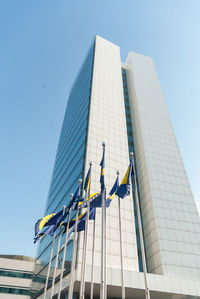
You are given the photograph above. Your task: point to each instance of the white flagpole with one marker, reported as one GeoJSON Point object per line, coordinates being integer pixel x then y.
{"type": "Point", "coordinates": [71, 285]}
{"type": "Point", "coordinates": [147, 293]}
{"type": "Point", "coordinates": [56, 261]}
{"type": "Point", "coordinates": [82, 286]}
{"type": "Point", "coordinates": [64, 251]}
{"type": "Point", "coordinates": [92, 270]}
{"type": "Point", "coordinates": [121, 253]}
{"type": "Point", "coordinates": [49, 267]}
{"type": "Point", "coordinates": [103, 239]}
{"type": "Point", "coordinates": [105, 289]}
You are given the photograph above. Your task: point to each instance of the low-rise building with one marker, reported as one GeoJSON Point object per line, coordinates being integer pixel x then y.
{"type": "Point", "coordinates": [16, 272]}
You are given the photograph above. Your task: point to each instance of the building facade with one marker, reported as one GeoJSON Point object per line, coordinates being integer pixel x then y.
{"type": "Point", "coordinates": [16, 273]}
{"type": "Point", "coordinates": [123, 105]}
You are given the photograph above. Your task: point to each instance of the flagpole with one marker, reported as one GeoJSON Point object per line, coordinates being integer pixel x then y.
{"type": "Point", "coordinates": [147, 293]}
{"type": "Point", "coordinates": [56, 261]}
{"type": "Point", "coordinates": [49, 267]}
{"type": "Point", "coordinates": [64, 251]}
{"type": "Point", "coordinates": [105, 289]}
{"type": "Point", "coordinates": [92, 270]}
{"type": "Point", "coordinates": [55, 267]}
{"type": "Point", "coordinates": [71, 285]}
{"type": "Point", "coordinates": [103, 238]}
{"type": "Point", "coordinates": [121, 253]}
{"type": "Point", "coordinates": [82, 286]}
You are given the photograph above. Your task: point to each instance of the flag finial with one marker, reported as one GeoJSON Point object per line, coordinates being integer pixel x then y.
{"type": "Point", "coordinates": [71, 195]}
{"type": "Point", "coordinates": [131, 154]}
{"type": "Point", "coordinates": [90, 163]}
{"type": "Point", "coordinates": [103, 144]}
{"type": "Point", "coordinates": [117, 172]}
{"type": "Point", "coordinates": [80, 181]}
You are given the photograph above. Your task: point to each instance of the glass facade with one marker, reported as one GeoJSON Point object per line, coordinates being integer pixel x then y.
{"type": "Point", "coordinates": [68, 167]}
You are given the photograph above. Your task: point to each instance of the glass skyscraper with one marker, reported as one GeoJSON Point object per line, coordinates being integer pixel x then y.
{"type": "Point", "coordinates": [123, 105]}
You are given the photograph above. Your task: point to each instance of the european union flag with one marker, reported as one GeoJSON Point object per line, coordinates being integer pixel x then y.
{"type": "Point", "coordinates": [102, 164]}
{"type": "Point", "coordinates": [124, 188]}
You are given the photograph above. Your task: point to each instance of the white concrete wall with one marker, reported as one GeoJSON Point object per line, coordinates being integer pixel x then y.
{"type": "Point", "coordinates": [171, 222]}
{"type": "Point", "coordinates": [107, 123]}
{"type": "Point", "coordinates": [15, 265]}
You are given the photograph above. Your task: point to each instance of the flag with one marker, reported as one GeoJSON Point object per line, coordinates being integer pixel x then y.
{"type": "Point", "coordinates": [102, 164]}
{"type": "Point", "coordinates": [48, 231]}
{"type": "Point", "coordinates": [112, 192]}
{"type": "Point", "coordinates": [76, 198]}
{"type": "Point", "coordinates": [77, 194]}
{"type": "Point", "coordinates": [87, 180]}
{"type": "Point", "coordinates": [96, 200]}
{"type": "Point", "coordinates": [85, 200]}
{"type": "Point", "coordinates": [65, 225]}
{"type": "Point", "coordinates": [124, 188]}
{"type": "Point", "coordinates": [81, 221]}
{"type": "Point", "coordinates": [41, 222]}
{"type": "Point", "coordinates": [57, 219]}
{"type": "Point", "coordinates": [86, 187]}
{"type": "Point", "coordinates": [83, 217]}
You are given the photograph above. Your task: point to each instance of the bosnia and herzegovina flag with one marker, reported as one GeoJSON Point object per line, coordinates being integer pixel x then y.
{"type": "Point", "coordinates": [102, 164]}
{"type": "Point", "coordinates": [87, 187]}
{"type": "Point", "coordinates": [50, 230]}
{"type": "Point", "coordinates": [54, 219]}
{"type": "Point", "coordinates": [57, 219]}
{"type": "Point", "coordinates": [112, 192]}
{"type": "Point", "coordinates": [96, 200]}
{"type": "Point", "coordinates": [41, 222]}
{"type": "Point", "coordinates": [81, 221]}
{"type": "Point", "coordinates": [87, 181]}
{"type": "Point", "coordinates": [124, 188]}
{"type": "Point", "coordinates": [76, 198]}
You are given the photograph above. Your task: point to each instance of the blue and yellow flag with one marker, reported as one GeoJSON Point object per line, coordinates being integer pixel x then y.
{"type": "Point", "coordinates": [86, 187]}
{"type": "Point", "coordinates": [112, 192]}
{"type": "Point", "coordinates": [124, 188]}
{"type": "Point", "coordinates": [81, 221]}
{"type": "Point", "coordinates": [76, 198]}
{"type": "Point", "coordinates": [96, 200]}
{"type": "Point", "coordinates": [102, 164]}
{"type": "Point", "coordinates": [48, 231]}
{"type": "Point", "coordinates": [87, 181]}
{"type": "Point", "coordinates": [41, 223]}
{"type": "Point", "coordinates": [57, 219]}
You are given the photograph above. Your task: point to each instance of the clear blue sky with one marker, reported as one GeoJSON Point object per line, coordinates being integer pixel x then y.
{"type": "Point", "coordinates": [42, 45]}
